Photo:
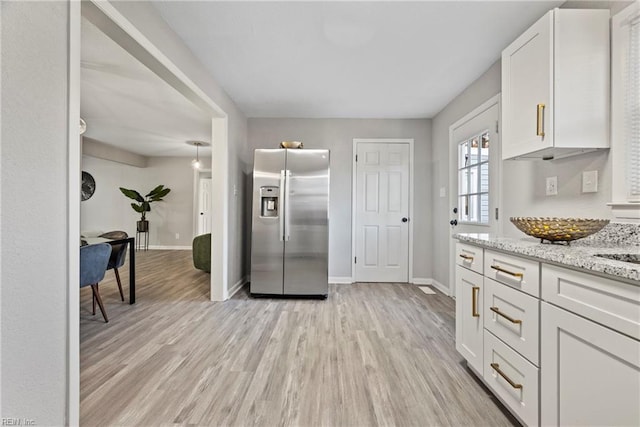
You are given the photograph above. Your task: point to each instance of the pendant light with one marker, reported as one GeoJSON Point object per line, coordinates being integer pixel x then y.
{"type": "Point", "coordinates": [195, 163]}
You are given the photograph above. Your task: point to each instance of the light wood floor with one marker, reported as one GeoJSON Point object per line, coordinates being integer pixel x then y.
{"type": "Point", "coordinates": [371, 354]}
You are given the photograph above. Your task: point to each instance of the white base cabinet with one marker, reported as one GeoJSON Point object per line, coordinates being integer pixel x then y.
{"type": "Point", "coordinates": [590, 374]}
{"type": "Point", "coordinates": [557, 346]}
{"type": "Point", "coordinates": [469, 317]}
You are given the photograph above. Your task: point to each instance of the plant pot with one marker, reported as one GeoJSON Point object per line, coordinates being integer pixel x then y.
{"type": "Point", "coordinates": [142, 226]}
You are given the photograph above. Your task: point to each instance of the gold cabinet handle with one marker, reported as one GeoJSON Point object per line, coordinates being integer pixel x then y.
{"type": "Point", "coordinates": [474, 301]}
{"type": "Point", "coordinates": [502, 270]}
{"type": "Point", "coordinates": [540, 120]}
{"type": "Point", "coordinates": [466, 257]}
{"type": "Point", "coordinates": [497, 311]}
{"type": "Point", "coordinates": [496, 367]}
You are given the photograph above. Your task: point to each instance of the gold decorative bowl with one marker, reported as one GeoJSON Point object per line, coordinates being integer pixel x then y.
{"type": "Point", "coordinates": [558, 229]}
{"type": "Point", "coordinates": [291, 144]}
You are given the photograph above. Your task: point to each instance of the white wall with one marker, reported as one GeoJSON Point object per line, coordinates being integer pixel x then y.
{"type": "Point", "coordinates": [337, 135]}
{"type": "Point", "coordinates": [108, 209]}
{"type": "Point", "coordinates": [33, 179]}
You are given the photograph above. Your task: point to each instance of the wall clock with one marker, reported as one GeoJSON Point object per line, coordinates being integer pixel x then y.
{"type": "Point", "coordinates": [88, 186]}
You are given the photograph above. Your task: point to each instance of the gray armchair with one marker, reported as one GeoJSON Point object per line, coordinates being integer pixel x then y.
{"type": "Point", "coordinates": [118, 255]}
{"type": "Point", "coordinates": [93, 265]}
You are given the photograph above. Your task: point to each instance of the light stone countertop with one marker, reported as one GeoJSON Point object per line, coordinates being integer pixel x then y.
{"type": "Point", "coordinates": [580, 254]}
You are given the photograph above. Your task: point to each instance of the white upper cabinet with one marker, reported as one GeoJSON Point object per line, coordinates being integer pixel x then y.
{"type": "Point", "coordinates": [555, 86]}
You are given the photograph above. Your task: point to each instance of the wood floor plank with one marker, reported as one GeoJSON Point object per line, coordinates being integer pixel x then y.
{"type": "Point", "coordinates": [371, 354]}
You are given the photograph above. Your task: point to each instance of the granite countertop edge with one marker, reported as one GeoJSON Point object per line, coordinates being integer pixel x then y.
{"type": "Point", "coordinates": [578, 256]}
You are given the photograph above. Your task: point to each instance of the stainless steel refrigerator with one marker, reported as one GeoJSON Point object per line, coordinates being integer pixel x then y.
{"type": "Point", "coordinates": [290, 223]}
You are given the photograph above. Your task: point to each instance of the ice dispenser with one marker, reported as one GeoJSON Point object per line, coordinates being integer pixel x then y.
{"type": "Point", "coordinates": [269, 201]}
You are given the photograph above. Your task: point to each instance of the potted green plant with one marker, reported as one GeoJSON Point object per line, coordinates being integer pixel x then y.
{"type": "Point", "coordinates": [143, 204]}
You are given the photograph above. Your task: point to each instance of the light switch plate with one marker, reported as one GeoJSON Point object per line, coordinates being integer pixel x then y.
{"type": "Point", "coordinates": [443, 191]}
{"type": "Point", "coordinates": [590, 181]}
{"type": "Point", "coordinates": [552, 186]}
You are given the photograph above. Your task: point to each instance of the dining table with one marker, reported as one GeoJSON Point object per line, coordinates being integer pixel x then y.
{"type": "Point", "coordinates": [132, 259]}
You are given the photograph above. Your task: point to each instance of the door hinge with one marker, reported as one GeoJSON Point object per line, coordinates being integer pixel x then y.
{"type": "Point", "coordinates": [496, 213]}
{"type": "Point", "coordinates": [356, 157]}
{"type": "Point", "coordinates": [355, 260]}
{"type": "Point", "coordinates": [497, 128]}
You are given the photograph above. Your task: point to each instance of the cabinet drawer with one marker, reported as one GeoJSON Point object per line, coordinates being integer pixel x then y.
{"type": "Point", "coordinates": [513, 317]}
{"type": "Point", "coordinates": [512, 378]}
{"type": "Point", "coordinates": [605, 301]}
{"type": "Point", "coordinates": [470, 257]}
{"type": "Point", "coordinates": [519, 273]}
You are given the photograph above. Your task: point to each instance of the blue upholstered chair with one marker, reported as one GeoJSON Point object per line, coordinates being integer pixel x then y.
{"type": "Point", "coordinates": [118, 255]}
{"type": "Point", "coordinates": [93, 265]}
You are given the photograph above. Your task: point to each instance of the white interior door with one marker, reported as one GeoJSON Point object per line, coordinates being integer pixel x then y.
{"type": "Point", "coordinates": [204, 206]}
{"type": "Point", "coordinates": [474, 179]}
{"type": "Point", "coordinates": [382, 212]}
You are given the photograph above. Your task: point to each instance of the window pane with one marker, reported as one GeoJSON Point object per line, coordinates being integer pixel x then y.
{"type": "Point", "coordinates": [484, 147]}
{"type": "Point", "coordinates": [474, 150]}
{"type": "Point", "coordinates": [463, 154]}
{"type": "Point", "coordinates": [484, 208]}
{"type": "Point", "coordinates": [463, 208]}
{"type": "Point", "coordinates": [463, 181]}
{"type": "Point", "coordinates": [474, 202]}
{"type": "Point", "coordinates": [484, 178]}
{"type": "Point", "coordinates": [473, 182]}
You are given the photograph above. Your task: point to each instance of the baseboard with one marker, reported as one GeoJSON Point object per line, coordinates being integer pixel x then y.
{"type": "Point", "coordinates": [238, 285]}
{"type": "Point", "coordinates": [340, 280]}
{"type": "Point", "coordinates": [421, 281]}
{"type": "Point", "coordinates": [169, 248]}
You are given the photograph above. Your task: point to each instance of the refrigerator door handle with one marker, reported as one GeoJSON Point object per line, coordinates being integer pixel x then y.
{"type": "Point", "coordinates": [286, 207]}
{"type": "Point", "coordinates": [281, 211]}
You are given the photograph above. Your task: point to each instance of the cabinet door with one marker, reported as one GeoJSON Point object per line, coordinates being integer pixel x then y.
{"type": "Point", "coordinates": [527, 91]}
{"type": "Point", "coordinates": [590, 374]}
{"type": "Point", "coordinates": [469, 317]}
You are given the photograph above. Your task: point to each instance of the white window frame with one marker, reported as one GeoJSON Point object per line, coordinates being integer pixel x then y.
{"type": "Point", "coordinates": [623, 205]}
{"type": "Point", "coordinates": [478, 164]}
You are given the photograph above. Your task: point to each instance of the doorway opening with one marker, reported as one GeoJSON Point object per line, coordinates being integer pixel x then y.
{"type": "Point", "coordinates": [118, 28]}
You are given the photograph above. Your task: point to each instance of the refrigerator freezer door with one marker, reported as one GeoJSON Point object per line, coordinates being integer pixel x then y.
{"type": "Point", "coordinates": [267, 244]}
{"type": "Point", "coordinates": [306, 223]}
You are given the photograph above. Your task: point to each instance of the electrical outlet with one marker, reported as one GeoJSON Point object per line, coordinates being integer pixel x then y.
{"type": "Point", "coordinates": [552, 186]}
{"type": "Point", "coordinates": [590, 181]}
{"type": "Point", "coordinates": [443, 192]}
{"type": "Point", "coordinates": [177, 236]}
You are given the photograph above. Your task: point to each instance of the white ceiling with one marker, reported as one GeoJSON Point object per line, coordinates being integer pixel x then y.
{"type": "Point", "coordinates": [348, 59]}
{"type": "Point", "coordinates": [128, 106]}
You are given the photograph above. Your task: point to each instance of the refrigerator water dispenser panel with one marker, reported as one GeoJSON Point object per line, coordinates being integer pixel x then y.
{"type": "Point", "coordinates": [269, 201]}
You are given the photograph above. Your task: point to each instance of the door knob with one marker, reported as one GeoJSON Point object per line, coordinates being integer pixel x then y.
{"type": "Point", "coordinates": [453, 222]}
{"type": "Point", "coordinates": [455, 210]}
{"type": "Point", "coordinates": [405, 219]}
{"type": "Point", "coordinates": [201, 213]}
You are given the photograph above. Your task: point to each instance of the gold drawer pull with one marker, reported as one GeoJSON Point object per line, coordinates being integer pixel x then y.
{"type": "Point", "coordinates": [502, 270]}
{"type": "Point", "coordinates": [466, 257]}
{"type": "Point", "coordinates": [540, 120]}
{"type": "Point", "coordinates": [496, 367]}
{"type": "Point", "coordinates": [474, 301]}
{"type": "Point", "coordinates": [497, 311]}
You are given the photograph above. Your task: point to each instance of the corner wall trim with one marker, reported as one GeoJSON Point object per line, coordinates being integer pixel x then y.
{"type": "Point", "coordinates": [238, 285]}
{"type": "Point", "coordinates": [340, 280]}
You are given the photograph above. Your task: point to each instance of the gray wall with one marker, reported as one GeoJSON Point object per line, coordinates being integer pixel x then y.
{"type": "Point", "coordinates": [523, 192]}
{"type": "Point", "coordinates": [108, 209]}
{"type": "Point", "coordinates": [33, 179]}
{"type": "Point", "coordinates": [337, 135]}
